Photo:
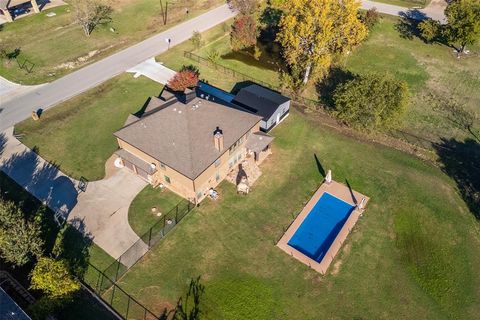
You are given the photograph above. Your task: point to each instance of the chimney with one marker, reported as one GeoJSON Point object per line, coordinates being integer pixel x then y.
{"type": "Point", "coordinates": [218, 139]}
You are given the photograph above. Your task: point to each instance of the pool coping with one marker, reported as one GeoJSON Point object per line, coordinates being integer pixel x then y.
{"type": "Point", "coordinates": [341, 192]}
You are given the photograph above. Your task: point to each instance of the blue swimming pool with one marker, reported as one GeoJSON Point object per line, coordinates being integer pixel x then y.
{"type": "Point", "coordinates": [322, 224]}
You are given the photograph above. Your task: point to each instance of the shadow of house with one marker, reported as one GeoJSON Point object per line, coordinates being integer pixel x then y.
{"type": "Point", "coordinates": [44, 182]}
{"type": "Point", "coordinates": [461, 161]}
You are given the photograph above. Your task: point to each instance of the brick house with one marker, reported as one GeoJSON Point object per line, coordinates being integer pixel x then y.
{"type": "Point", "coordinates": [189, 144]}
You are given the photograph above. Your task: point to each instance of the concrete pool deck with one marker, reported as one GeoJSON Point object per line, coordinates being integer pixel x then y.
{"type": "Point", "coordinates": [342, 192]}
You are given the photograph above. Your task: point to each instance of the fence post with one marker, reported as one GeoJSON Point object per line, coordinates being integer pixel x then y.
{"type": "Point", "coordinates": [113, 293]}
{"type": "Point", "coordinates": [150, 236]}
{"type": "Point", "coordinates": [128, 307]}
{"type": "Point", "coordinates": [118, 268]}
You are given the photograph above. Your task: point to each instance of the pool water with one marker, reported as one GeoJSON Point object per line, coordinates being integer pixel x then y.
{"type": "Point", "coordinates": [321, 226]}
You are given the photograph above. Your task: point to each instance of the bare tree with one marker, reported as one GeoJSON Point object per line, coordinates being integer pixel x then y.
{"type": "Point", "coordinates": [91, 13]}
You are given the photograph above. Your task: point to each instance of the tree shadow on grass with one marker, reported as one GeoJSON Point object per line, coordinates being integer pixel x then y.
{"type": "Point", "coordinates": [326, 87]}
{"type": "Point", "coordinates": [73, 243]}
{"type": "Point", "coordinates": [188, 307]}
{"type": "Point", "coordinates": [461, 161]}
{"type": "Point", "coordinates": [408, 23]}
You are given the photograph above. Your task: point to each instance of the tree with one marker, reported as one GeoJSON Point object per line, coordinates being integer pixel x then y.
{"type": "Point", "coordinates": [370, 18]}
{"type": "Point", "coordinates": [91, 13]}
{"type": "Point", "coordinates": [185, 78]}
{"type": "Point", "coordinates": [20, 239]}
{"type": "Point", "coordinates": [371, 102]}
{"type": "Point", "coordinates": [312, 31]}
{"type": "Point", "coordinates": [196, 39]}
{"type": "Point", "coordinates": [463, 23]}
{"type": "Point", "coordinates": [429, 29]}
{"type": "Point", "coordinates": [53, 277]}
{"type": "Point", "coordinates": [245, 7]}
{"type": "Point", "coordinates": [244, 33]}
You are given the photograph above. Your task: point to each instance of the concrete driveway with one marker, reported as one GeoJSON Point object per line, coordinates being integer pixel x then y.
{"type": "Point", "coordinates": [10, 90]}
{"type": "Point", "coordinates": [103, 208]}
{"type": "Point", "coordinates": [153, 70]}
{"type": "Point", "coordinates": [101, 212]}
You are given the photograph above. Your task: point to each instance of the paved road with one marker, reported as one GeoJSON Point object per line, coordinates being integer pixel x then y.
{"type": "Point", "coordinates": [47, 96]}
{"type": "Point", "coordinates": [90, 76]}
{"type": "Point", "coordinates": [434, 10]}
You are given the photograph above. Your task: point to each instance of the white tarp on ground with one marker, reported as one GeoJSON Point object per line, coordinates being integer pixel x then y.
{"type": "Point", "coordinates": [153, 70]}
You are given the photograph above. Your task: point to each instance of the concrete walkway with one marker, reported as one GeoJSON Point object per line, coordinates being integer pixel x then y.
{"type": "Point", "coordinates": [101, 212]}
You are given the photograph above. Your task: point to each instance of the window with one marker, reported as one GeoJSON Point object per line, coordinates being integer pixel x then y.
{"type": "Point", "coordinates": [218, 162]}
{"type": "Point", "coordinates": [167, 179]}
{"type": "Point", "coordinates": [163, 166]}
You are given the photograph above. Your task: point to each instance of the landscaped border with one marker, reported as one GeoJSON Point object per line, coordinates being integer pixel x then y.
{"type": "Point", "coordinates": [343, 193]}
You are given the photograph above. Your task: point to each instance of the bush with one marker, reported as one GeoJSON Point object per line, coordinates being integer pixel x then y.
{"type": "Point", "coordinates": [370, 18]}
{"type": "Point", "coordinates": [187, 77]}
{"type": "Point", "coordinates": [213, 56]}
{"type": "Point", "coordinates": [196, 40]}
{"type": "Point", "coordinates": [244, 33]}
{"type": "Point", "coordinates": [53, 277]}
{"type": "Point", "coordinates": [371, 102]}
{"type": "Point", "coordinates": [429, 29]}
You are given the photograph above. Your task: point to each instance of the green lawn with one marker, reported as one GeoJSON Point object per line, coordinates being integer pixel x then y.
{"type": "Point", "coordinates": [78, 134]}
{"type": "Point", "coordinates": [412, 255]}
{"type": "Point", "coordinates": [140, 214]}
{"type": "Point", "coordinates": [428, 69]}
{"type": "Point", "coordinates": [54, 45]}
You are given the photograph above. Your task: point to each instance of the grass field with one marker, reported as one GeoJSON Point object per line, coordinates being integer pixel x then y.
{"type": "Point", "coordinates": [140, 214]}
{"type": "Point", "coordinates": [54, 45]}
{"type": "Point", "coordinates": [429, 69]}
{"type": "Point", "coordinates": [411, 256]}
{"type": "Point", "coordinates": [78, 134]}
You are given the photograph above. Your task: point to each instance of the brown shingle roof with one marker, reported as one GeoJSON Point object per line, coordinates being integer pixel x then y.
{"type": "Point", "coordinates": [181, 135]}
